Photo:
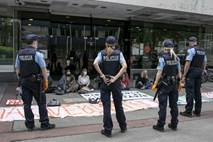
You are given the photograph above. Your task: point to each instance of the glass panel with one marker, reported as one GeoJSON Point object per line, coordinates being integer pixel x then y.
{"type": "Point", "coordinates": [207, 42]}
{"type": "Point", "coordinates": [6, 41]}
{"type": "Point", "coordinates": [147, 44]}
{"type": "Point", "coordinates": [37, 27]}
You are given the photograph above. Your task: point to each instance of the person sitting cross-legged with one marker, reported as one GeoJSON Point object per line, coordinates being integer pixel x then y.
{"type": "Point", "coordinates": [84, 81]}
{"type": "Point", "coordinates": [67, 83]}
{"type": "Point", "coordinates": [143, 81]}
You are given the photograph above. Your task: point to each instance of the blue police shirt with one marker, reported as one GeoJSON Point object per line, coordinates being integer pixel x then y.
{"type": "Point", "coordinates": [191, 53]}
{"type": "Point", "coordinates": [99, 58]}
{"type": "Point", "coordinates": [38, 59]}
{"type": "Point", "coordinates": [161, 64]}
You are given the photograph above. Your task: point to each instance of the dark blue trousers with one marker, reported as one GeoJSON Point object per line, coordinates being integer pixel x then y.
{"type": "Point", "coordinates": [193, 85]}
{"type": "Point", "coordinates": [30, 90]}
{"type": "Point", "coordinates": [106, 90]}
{"type": "Point", "coordinates": [165, 93]}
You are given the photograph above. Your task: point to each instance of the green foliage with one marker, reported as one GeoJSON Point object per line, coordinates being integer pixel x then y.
{"type": "Point", "coordinates": [6, 31]}
{"type": "Point", "coordinates": [6, 51]}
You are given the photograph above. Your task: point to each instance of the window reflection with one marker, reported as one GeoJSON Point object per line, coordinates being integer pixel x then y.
{"type": "Point", "coordinates": [6, 41]}
{"type": "Point", "coordinates": [147, 43]}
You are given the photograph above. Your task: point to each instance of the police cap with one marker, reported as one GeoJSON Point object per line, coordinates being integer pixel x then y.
{"type": "Point", "coordinates": [110, 40]}
{"type": "Point", "coordinates": [192, 39]}
{"type": "Point", "coordinates": [30, 38]}
{"type": "Point", "coordinates": [168, 43]}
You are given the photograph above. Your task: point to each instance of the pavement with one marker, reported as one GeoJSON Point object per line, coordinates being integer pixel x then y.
{"type": "Point", "coordinates": [86, 129]}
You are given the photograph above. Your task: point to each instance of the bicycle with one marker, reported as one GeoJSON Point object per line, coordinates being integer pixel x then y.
{"type": "Point", "coordinates": [207, 75]}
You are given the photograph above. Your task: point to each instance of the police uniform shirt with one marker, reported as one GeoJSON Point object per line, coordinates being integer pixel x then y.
{"type": "Point", "coordinates": [161, 64]}
{"type": "Point", "coordinates": [191, 54]}
{"type": "Point", "coordinates": [38, 59]}
{"type": "Point", "coordinates": [99, 58]}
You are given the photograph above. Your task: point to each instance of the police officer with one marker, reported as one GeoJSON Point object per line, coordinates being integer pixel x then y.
{"type": "Point", "coordinates": [169, 74]}
{"type": "Point", "coordinates": [31, 70]}
{"type": "Point", "coordinates": [110, 60]}
{"type": "Point", "coordinates": [196, 62]}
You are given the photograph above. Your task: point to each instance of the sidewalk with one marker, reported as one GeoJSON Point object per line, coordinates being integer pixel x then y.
{"type": "Point", "coordinates": [189, 131]}
{"type": "Point", "coordinates": [138, 121]}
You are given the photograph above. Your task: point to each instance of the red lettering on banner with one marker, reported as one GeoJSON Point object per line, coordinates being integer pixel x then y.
{"type": "Point", "coordinates": [51, 111]}
{"type": "Point", "coordinates": [127, 107]}
{"type": "Point", "coordinates": [19, 102]}
{"type": "Point", "coordinates": [137, 104]}
{"type": "Point", "coordinates": [204, 94]}
{"type": "Point", "coordinates": [2, 114]}
{"type": "Point", "coordinates": [33, 108]}
{"type": "Point", "coordinates": [19, 112]}
{"type": "Point", "coordinates": [14, 102]}
{"type": "Point", "coordinates": [85, 109]}
{"type": "Point", "coordinates": [208, 94]}
{"type": "Point", "coordinates": [145, 104]}
{"type": "Point", "coordinates": [70, 111]}
{"type": "Point", "coordinates": [64, 107]}
{"type": "Point", "coordinates": [10, 102]}
{"type": "Point", "coordinates": [97, 108]}
{"type": "Point", "coordinates": [9, 112]}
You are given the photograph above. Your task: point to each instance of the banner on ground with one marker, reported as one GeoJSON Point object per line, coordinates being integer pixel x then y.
{"type": "Point", "coordinates": [208, 95]}
{"type": "Point", "coordinates": [14, 102]}
{"type": "Point", "coordinates": [81, 109]}
{"type": "Point", "coordinates": [127, 95]}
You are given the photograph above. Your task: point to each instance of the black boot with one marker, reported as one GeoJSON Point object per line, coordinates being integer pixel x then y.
{"type": "Point", "coordinates": [186, 114]}
{"type": "Point", "coordinates": [123, 130]}
{"type": "Point", "coordinates": [47, 126]}
{"type": "Point", "coordinates": [197, 114]}
{"type": "Point", "coordinates": [30, 129]}
{"type": "Point", "coordinates": [106, 134]}
{"type": "Point", "coordinates": [158, 128]}
{"type": "Point", "coordinates": [30, 126]}
{"type": "Point", "coordinates": [172, 127]}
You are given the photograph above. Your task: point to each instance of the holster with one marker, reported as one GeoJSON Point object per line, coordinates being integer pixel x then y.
{"type": "Point", "coordinates": [38, 79]}
{"type": "Point", "coordinates": [170, 80]}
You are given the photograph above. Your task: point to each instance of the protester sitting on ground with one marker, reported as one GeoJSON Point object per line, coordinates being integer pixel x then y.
{"type": "Point", "coordinates": [125, 81]}
{"type": "Point", "coordinates": [143, 81]}
{"type": "Point", "coordinates": [67, 83]}
{"type": "Point", "coordinates": [84, 81]}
